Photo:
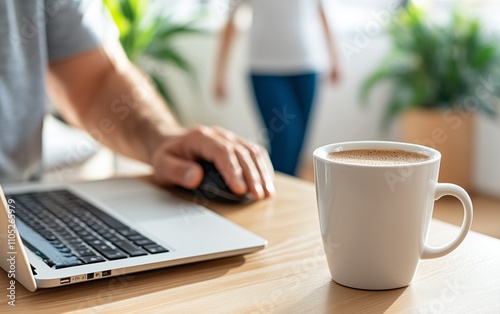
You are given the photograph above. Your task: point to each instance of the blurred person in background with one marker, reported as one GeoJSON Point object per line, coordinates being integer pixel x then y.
{"type": "Point", "coordinates": [286, 48]}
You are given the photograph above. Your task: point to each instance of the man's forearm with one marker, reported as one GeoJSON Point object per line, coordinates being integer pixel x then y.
{"type": "Point", "coordinates": [102, 92]}
{"type": "Point", "coordinates": [128, 115]}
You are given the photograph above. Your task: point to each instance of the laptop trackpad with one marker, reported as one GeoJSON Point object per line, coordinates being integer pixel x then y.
{"type": "Point", "coordinates": [159, 216]}
{"type": "Point", "coordinates": [153, 207]}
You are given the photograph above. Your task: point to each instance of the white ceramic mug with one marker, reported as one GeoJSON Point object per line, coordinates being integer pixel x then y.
{"type": "Point", "coordinates": [375, 219]}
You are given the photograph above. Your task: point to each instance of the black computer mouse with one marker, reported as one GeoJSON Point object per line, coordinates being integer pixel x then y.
{"type": "Point", "coordinates": [213, 187]}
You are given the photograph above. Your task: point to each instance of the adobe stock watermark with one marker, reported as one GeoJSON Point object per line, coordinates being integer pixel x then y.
{"type": "Point", "coordinates": [277, 124]}
{"type": "Point", "coordinates": [295, 275]}
{"type": "Point", "coordinates": [11, 253]}
{"type": "Point", "coordinates": [31, 26]}
{"type": "Point", "coordinates": [373, 27]}
{"type": "Point", "coordinates": [398, 175]}
{"type": "Point", "coordinates": [486, 92]}
{"type": "Point", "coordinates": [210, 191]}
{"type": "Point", "coordinates": [202, 197]}
{"type": "Point", "coordinates": [453, 290]}
{"type": "Point", "coordinates": [223, 8]}
{"type": "Point", "coordinates": [121, 108]}
{"type": "Point", "coordinates": [115, 287]}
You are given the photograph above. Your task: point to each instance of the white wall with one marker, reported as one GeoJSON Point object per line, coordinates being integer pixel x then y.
{"type": "Point", "coordinates": [338, 115]}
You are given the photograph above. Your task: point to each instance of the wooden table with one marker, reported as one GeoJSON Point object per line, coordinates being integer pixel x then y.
{"type": "Point", "coordinates": [289, 276]}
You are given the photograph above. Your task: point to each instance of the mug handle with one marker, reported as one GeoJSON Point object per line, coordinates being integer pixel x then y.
{"type": "Point", "coordinates": [443, 189]}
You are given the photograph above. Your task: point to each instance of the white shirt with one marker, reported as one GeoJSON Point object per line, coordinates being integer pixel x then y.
{"type": "Point", "coordinates": [286, 37]}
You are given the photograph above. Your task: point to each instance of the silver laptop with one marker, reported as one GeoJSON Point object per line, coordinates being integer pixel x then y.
{"type": "Point", "coordinates": [60, 234]}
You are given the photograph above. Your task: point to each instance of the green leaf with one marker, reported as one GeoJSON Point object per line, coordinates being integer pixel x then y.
{"type": "Point", "coordinates": [128, 10]}
{"type": "Point", "coordinates": [484, 56]}
{"type": "Point", "coordinates": [374, 79]}
{"type": "Point", "coordinates": [114, 9]}
{"type": "Point", "coordinates": [172, 56]}
{"type": "Point", "coordinates": [146, 33]}
{"type": "Point", "coordinates": [168, 31]}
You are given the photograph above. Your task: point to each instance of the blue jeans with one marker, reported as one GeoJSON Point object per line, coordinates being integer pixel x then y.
{"type": "Point", "coordinates": [285, 103]}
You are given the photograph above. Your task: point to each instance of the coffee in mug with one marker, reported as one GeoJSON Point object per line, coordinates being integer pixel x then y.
{"type": "Point", "coordinates": [377, 157]}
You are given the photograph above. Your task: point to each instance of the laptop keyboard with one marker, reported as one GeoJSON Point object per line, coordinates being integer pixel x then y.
{"type": "Point", "coordinates": [66, 231]}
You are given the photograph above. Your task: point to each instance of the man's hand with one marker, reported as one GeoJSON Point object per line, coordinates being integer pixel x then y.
{"type": "Point", "coordinates": [244, 166]}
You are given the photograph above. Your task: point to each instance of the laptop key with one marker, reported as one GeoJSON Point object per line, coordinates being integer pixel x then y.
{"type": "Point", "coordinates": [95, 242]}
{"type": "Point", "coordinates": [37, 226]}
{"type": "Point", "coordinates": [107, 251]}
{"type": "Point", "coordinates": [144, 242]}
{"type": "Point", "coordinates": [65, 235]}
{"type": "Point", "coordinates": [68, 237]}
{"type": "Point", "coordinates": [83, 233]}
{"type": "Point", "coordinates": [59, 245]}
{"type": "Point", "coordinates": [76, 242]}
{"type": "Point", "coordinates": [127, 232]}
{"type": "Point", "coordinates": [80, 247]}
{"type": "Point", "coordinates": [59, 228]}
{"type": "Point", "coordinates": [98, 226]}
{"type": "Point", "coordinates": [114, 254]}
{"type": "Point", "coordinates": [84, 252]}
{"type": "Point", "coordinates": [90, 238]}
{"type": "Point", "coordinates": [104, 247]}
{"type": "Point", "coordinates": [49, 236]}
{"type": "Point", "coordinates": [154, 249]}
{"type": "Point", "coordinates": [92, 259]}
{"type": "Point", "coordinates": [130, 249]}
{"type": "Point", "coordinates": [136, 237]}
{"type": "Point", "coordinates": [64, 250]}
{"type": "Point", "coordinates": [141, 240]}
{"type": "Point", "coordinates": [109, 235]}
{"type": "Point", "coordinates": [75, 262]}
{"type": "Point", "coordinates": [56, 243]}
{"type": "Point", "coordinates": [77, 228]}
{"type": "Point", "coordinates": [87, 219]}
{"type": "Point", "coordinates": [114, 239]}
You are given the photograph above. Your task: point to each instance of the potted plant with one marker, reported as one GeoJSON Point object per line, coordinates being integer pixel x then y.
{"type": "Point", "coordinates": [147, 34]}
{"type": "Point", "coordinates": [441, 75]}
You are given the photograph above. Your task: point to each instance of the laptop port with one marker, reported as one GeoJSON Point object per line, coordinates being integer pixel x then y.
{"type": "Point", "coordinates": [106, 273]}
{"type": "Point", "coordinates": [65, 280]}
{"type": "Point", "coordinates": [90, 276]}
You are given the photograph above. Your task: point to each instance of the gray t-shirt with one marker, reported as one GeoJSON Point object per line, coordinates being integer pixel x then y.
{"type": "Point", "coordinates": [34, 33]}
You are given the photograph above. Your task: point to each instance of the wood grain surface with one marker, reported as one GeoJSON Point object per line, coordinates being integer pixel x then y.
{"type": "Point", "coordinates": [289, 276]}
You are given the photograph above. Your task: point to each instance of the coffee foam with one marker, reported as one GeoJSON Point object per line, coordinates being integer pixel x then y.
{"type": "Point", "coordinates": [377, 157]}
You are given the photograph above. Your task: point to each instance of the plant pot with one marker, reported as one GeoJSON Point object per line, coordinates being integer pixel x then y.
{"type": "Point", "coordinates": [451, 133]}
